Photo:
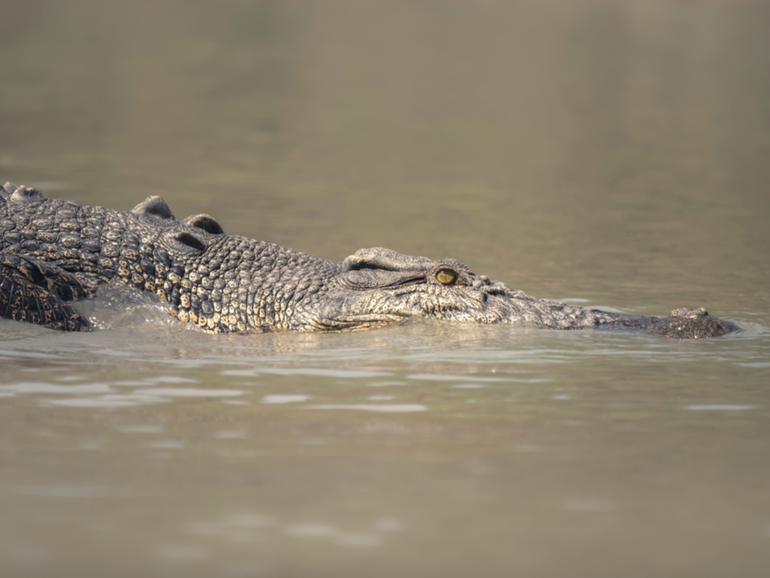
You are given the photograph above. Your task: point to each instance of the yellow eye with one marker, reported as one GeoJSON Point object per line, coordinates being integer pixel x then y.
{"type": "Point", "coordinates": [446, 276]}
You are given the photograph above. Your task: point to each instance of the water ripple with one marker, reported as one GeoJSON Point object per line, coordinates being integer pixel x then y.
{"type": "Point", "coordinates": [382, 408]}
{"type": "Point", "coordinates": [720, 407]}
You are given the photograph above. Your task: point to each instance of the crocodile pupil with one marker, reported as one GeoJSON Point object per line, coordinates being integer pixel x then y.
{"type": "Point", "coordinates": [446, 277]}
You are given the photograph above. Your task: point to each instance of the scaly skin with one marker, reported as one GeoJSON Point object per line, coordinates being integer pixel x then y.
{"type": "Point", "coordinates": [53, 252]}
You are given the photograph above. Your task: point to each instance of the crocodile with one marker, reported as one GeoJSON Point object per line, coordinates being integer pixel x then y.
{"type": "Point", "coordinates": [54, 252]}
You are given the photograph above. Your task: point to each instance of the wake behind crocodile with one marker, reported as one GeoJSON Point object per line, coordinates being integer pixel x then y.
{"type": "Point", "coordinates": [118, 306]}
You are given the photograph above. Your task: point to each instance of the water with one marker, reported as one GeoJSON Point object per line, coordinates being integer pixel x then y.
{"type": "Point", "coordinates": [608, 153]}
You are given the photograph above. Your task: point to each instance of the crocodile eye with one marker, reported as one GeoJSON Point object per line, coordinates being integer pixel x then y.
{"type": "Point", "coordinates": [446, 276]}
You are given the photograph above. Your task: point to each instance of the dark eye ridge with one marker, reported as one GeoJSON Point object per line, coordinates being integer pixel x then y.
{"type": "Point", "coordinates": [446, 276]}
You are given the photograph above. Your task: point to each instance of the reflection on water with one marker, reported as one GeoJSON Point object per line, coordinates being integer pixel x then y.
{"type": "Point", "coordinates": [720, 407]}
{"type": "Point", "coordinates": [610, 152]}
{"type": "Point", "coordinates": [380, 407]}
{"type": "Point", "coordinates": [285, 398]}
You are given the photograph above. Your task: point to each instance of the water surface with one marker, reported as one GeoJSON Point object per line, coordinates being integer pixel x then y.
{"type": "Point", "coordinates": [612, 154]}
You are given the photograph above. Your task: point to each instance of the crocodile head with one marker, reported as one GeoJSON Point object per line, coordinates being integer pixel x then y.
{"type": "Point", "coordinates": [378, 286]}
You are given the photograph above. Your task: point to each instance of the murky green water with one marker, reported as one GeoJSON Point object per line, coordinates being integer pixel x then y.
{"type": "Point", "coordinates": [608, 153]}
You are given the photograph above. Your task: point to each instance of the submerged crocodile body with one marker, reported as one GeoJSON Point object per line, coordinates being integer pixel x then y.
{"type": "Point", "coordinates": [54, 252]}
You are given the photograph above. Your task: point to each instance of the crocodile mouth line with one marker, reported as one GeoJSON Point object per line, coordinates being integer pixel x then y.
{"type": "Point", "coordinates": [394, 282]}
{"type": "Point", "coordinates": [358, 322]}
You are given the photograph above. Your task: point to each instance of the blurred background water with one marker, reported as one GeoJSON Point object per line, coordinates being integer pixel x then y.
{"type": "Point", "coordinates": [611, 153]}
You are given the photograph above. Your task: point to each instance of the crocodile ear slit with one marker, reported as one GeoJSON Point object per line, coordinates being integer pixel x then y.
{"type": "Point", "coordinates": [378, 258]}
{"type": "Point", "coordinates": [153, 207]}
